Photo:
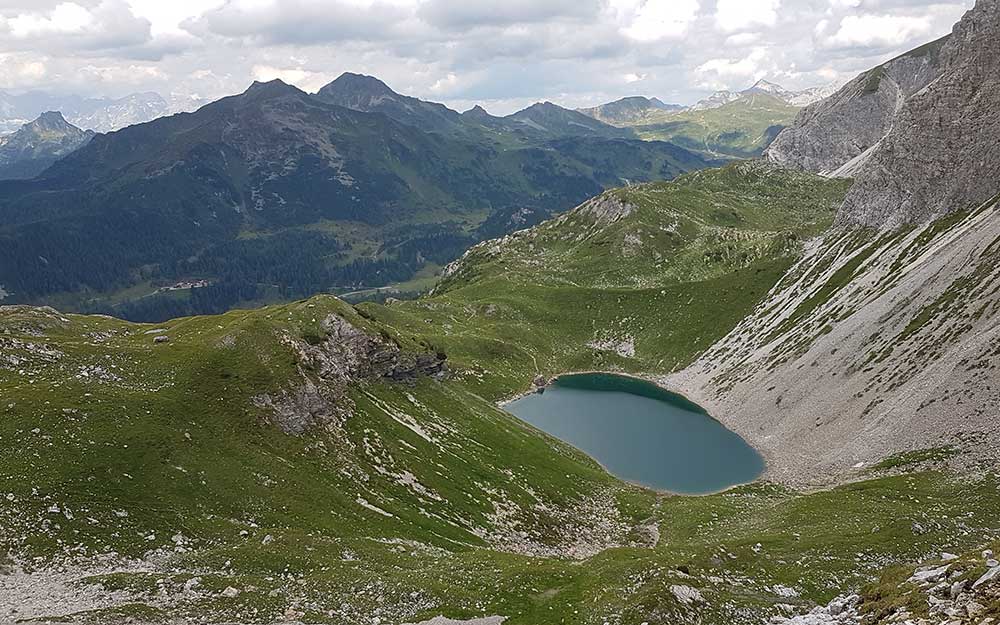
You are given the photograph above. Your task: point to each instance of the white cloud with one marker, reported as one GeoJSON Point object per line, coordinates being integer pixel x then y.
{"type": "Point", "coordinates": [653, 20]}
{"type": "Point", "coordinates": [877, 31]}
{"type": "Point", "coordinates": [461, 14]}
{"type": "Point", "coordinates": [445, 84]}
{"type": "Point", "coordinates": [67, 17]}
{"type": "Point", "coordinates": [118, 75]}
{"type": "Point", "coordinates": [15, 70]}
{"type": "Point", "coordinates": [740, 40]}
{"type": "Point", "coordinates": [463, 52]}
{"type": "Point", "coordinates": [734, 15]}
{"type": "Point", "coordinates": [167, 16]}
{"type": "Point", "coordinates": [733, 73]}
{"type": "Point", "coordinates": [86, 28]}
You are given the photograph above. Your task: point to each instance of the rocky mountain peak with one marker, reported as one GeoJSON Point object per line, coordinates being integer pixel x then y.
{"type": "Point", "coordinates": [357, 85]}
{"type": "Point", "coordinates": [270, 89]}
{"type": "Point", "coordinates": [50, 127]}
{"type": "Point", "coordinates": [477, 112]}
{"type": "Point", "coordinates": [38, 144]}
{"type": "Point", "coordinates": [370, 95]}
{"type": "Point", "coordinates": [544, 106]}
{"type": "Point", "coordinates": [51, 120]}
{"type": "Point", "coordinates": [940, 154]}
{"type": "Point", "coordinates": [766, 86]}
{"type": "Point", "coordinates": [971, 37]}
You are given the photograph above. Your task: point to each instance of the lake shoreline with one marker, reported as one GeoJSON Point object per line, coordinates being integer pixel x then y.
{"type": "Point", "coordinates": [717, 435]}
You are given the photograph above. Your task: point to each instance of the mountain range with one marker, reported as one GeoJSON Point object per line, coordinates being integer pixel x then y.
{"type": "Point", "coordinates": [764, 87]}
{"type": "Point", "coordinates": [362, 194]}
{"type": "Point", "coordinates": [368, 94]}
{"type": "Point", "coordinates": [636, 109]}
{"type": "Point", "coordinates": [97, 114]}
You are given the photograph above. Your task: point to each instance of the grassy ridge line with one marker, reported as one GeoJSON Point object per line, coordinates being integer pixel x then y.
{"type": "Point", "coordinates": [641, 279]}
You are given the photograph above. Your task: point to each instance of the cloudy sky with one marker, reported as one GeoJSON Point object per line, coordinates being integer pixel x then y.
{"type": "Point", "coordinates": [503, 54]}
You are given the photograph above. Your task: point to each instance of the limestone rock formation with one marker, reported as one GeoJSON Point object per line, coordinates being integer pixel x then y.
{"type": "Point", "coordinates": [842, 129]}
{"type": "Point", "coordinates": [940, 155]}
{"type": "Point", "coordinates": [918, 133]}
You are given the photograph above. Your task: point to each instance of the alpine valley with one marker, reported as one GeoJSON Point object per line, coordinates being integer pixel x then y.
{"type": "Point", "coordinates": [834, 302]}
{"type": "Point", "coordinates": [276, 194]}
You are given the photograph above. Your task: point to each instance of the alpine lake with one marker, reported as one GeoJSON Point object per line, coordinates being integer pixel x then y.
{"type": "Point", "coordinates": [642, 433]}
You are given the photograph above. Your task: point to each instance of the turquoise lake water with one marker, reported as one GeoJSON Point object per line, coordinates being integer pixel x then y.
{"type": "Point", "coordinates": [642, 433]}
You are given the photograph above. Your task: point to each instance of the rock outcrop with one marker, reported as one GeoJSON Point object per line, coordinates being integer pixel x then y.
{"type": "Point", "coordinates": [833, 135]}
{"type": "Point", "coordinates": [328, 366]}
{"type": "Point", "coordinates": [940, 155]}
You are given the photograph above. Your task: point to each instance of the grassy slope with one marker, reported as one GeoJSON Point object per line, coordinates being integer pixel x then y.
{"type": "Point", "coordinates": [689, 261]}
{"type": "Point", "coordinates": [740, 129]}
{"type": "Point", "coordinates": [109, 446]}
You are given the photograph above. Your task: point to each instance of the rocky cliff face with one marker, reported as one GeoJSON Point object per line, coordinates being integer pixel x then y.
{"type": "Point", "coordinates": [917, 133]}
{"type": "Point", "coordinates": [840, 130]}
{"type": "Point", "coordinates": [940, 154]}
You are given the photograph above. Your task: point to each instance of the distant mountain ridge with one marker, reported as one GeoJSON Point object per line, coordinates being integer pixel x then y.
{"type": "Point", "coordinates": [628, 109]}
{"type": "Point", "coordinates": [727, 124]}
{"type": "Point", "coordinates": [793, 98]}
{"type": "Point", "coordinates": [38, 144]}
{"type": "Point", "coordinates": [97, 114]}
{"type": "Point", "coordinates": [329, 195]}
{"type": "Point", "coordinates": [547, 117]}
{"type": "Point", "coordinates": [540, 121]}
{"type": "Point", "coordinates": [634, 109]}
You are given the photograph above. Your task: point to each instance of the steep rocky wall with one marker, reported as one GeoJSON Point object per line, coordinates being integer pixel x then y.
{"type": "Point", "coordinates": [831, 133]}
{"type": "Point", "coordinates": [941, 154]}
